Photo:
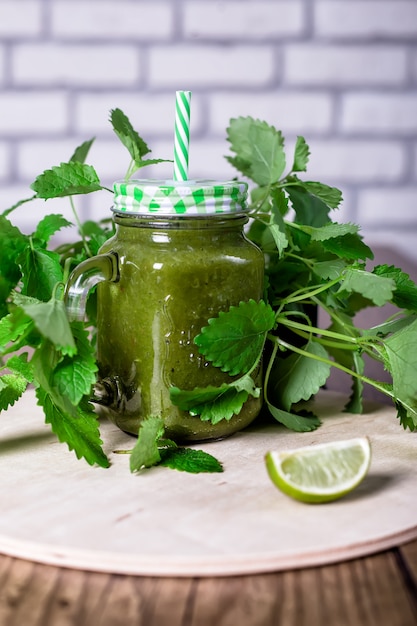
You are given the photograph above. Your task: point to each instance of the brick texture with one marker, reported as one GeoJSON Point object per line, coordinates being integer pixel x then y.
{"type": "Point", "coordinates": [11, 23]}
{"type": "Point", "coordinates": [365, 20]}
{"type": "Point", "coordinates": [109, 20]}
{"type": "Point", "coordinates": [343, 73]}
{"type": "Point", "coordinates": [209, 65]}
{"type": "Point", "coordinates": [90, 65]}
{"type": "Point", "coordinates": [236, 20]}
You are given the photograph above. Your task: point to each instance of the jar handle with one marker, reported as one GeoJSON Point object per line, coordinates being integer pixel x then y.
{"type": "Point", "coordinates": [97, 269]}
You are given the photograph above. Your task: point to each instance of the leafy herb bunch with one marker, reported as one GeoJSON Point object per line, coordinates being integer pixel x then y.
{"type": "Point", "coordinates": [311, 261]}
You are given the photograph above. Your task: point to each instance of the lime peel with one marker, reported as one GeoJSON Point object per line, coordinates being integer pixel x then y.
{"type": "Point", "coordinates": [321, 472]}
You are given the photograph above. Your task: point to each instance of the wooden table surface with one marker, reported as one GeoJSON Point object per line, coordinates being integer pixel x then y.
{"type": "Point", "coordinates": [378, 590]}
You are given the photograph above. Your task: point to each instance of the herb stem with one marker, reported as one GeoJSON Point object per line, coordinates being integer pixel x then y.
{"type": "Point", "coordinates": [80, 228]}
{"type": "Point", "coordinates": [353, 373]}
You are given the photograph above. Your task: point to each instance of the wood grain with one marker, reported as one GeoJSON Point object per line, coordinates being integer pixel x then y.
{"type": "Point", "coordinates": [370, 591]}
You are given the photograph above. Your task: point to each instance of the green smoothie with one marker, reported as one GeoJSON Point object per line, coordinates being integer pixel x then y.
{"type": "Point", "coordinates": [176, 272]}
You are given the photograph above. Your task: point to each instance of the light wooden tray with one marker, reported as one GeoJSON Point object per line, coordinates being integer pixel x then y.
{"type": "Point", "coordinates": [58, 510]}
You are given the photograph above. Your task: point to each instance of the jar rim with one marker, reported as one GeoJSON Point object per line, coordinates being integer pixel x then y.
{"type": "Point", "coordinates": [170, 197]}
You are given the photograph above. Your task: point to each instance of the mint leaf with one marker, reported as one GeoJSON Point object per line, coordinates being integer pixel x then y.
{"type": "Point", "coordinates": [332, 230]}
{"type": "Point", "coordinates": [329, 270]}
{"type": "Point", "coordinates": [81, 152]}
{"type": "Point", "coordinates": [48, 226]}
{"type": "Point", "coordinates": [41, 271]}
{"type": "Point", "coordinates": [405, 294]}
{"type": "Point", "coordinates": [349, 246]}
{"type": "Point", "coordinates": [146, 452]}
{"type": "Point", "coordinates": [277, 229]}
{"type": "Point", "coordinates": [13, 326]}
{"type": "Point", "coordinates": [308, 208]}
{"type": "Point", "coordinates": [298, 377]}
{"type": "Point", "coordinates": [128, 136]}
{"type": "Point", "coordinates": [12, 386]}
{"type": "Point", "coordinates": [268, 156]}
{"type": "Point", "coordinates": [355, 404]}
{"type": "Point", "coordinates": [408, 419]}
{"type": "Point", "coordinates": [375, 288]}
{"type": "Point", "coordinates": [66, 179]}
{"type": "Point", "coordinates": [238, 134]}
{"type": "Point", "coordinates": [294, 421]}
{"type": "Point", "coordinates": [75, 375]}
{"type": "Point", "coordinates": [19, 364]}
{"type": "Point", "coordinates": [259, 150]}
{"type": "Point", "coordinates": [234, 339]}
{"type": "Point", "coordinates": [50, 319]}
{"type": "Point", "coordinates": [330, 195]}
{"type": "Point", "coordinates": [301, 155]}
{"type": "Point", "coordinates": [215, 403]}
{"type": "Point", "coordinates": [189, 460]}
{"type": "Point", "coordinates": [75, 426]}
{"type": "Point", "coordinates": [401, 361]}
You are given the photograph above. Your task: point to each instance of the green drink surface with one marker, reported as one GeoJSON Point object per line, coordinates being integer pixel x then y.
{"type": "Point", "coordinates": [172, 280]}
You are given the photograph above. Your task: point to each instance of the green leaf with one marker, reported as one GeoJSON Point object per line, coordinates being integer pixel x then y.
{"type": "Point", "coordinates": [330, 195]}
{"type": "Point", "coordinates": [66, 179]}
{"type": "Point", "coordinates": [234, 339]}
{"type": "Point", "coordinates": [329, 270]}
{"type": "Point", "coordinates": [294, 421]}
{"type": "Point", "coordinates": [146, 452]}
{"type": "Point", "coordinates": [48, 226]}
{"type": "Point", "coordinates": [19, 364]}
{"type": "Point", "coordinates": [75, 375]}
{"type": "Point", "coordinates": [77, 427]}
{"type": "Point", "coordinates": [189, 460]}
{"type": "Point", "coordinates": [355, 404]}
{"type": "Point", "coordinates": [401, 361]}
{"type": "Point", "coordinates": [238, 134]}
{"type": "Point", "coordinates": [332, 230]}
{"type": "Point", "coordinates": [13, 326]}
{"type": "Point", "coordinates": [41, 271]}
{"type": "Point", "coordinates": [298, 377]}
{"type": "Point", "coordinates": [81, 152]}
{"type": "Point", "coordinates": [12, 386]}
{"type": "Point", "coordinates": [408, 419]}
{"type": "Point", "coordinates": [277, 225]}
{"type": "Point", "coordinates": [377, 289]}
{"type": "Point", "coordinates": [50, 319]}
{"type": "Point", "coordinates": [242, 166]}
{"type": "Point", "coordinates": [348, 246]}
{"type": "Point", "coordinates": [259, 149]}
{"type": "Point", "coordinates": [128, 135]}
{"type": "Point", "coordinates": [405, 294]}
{"type": "Point", "coordinates": [308, 208]}
{"type": "Point", "coordinates": [268, 156]}
{"type": "Point", "coordinates": [301, 155]}
{"type": "Point", "coordinates": [215, 403]}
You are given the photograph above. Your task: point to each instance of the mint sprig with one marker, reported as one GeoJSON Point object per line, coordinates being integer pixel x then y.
{"type": "Point", "coordinates": [153, 449]}
{"type": "Point", "coordinates": [312, 262]}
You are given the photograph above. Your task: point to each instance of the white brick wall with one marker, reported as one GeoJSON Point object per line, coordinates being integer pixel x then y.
{"type": "Point", "coordinates": [33, 113]}
{"type": "Point", "coordinates": [343, 73]}
{"type": "Point", "coordinates": [365, 20]}
{"type": "Point", "coordinates": [108, 20]}
{"type": "Point", "coordinates": [210, 66]}
{"type": "Point", "coordinates": [11, 23]}
{"type": "Point", "coordinates": [69, 64]}
{"type": "Point", "coordinates": [328, 64]}
{"type": "Point", "coordinates": [235, 20]}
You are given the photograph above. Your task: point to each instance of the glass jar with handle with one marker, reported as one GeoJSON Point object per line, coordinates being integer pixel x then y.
{"type": "Point", "coordinates": [179, 258]}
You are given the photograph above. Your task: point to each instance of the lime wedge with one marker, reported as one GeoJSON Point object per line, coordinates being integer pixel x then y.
{"type": "Point", "coordinates": [322, 472]}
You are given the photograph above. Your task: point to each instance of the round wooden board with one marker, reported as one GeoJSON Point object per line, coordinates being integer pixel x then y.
{"type": "Point", "coordinates": [58, 510]}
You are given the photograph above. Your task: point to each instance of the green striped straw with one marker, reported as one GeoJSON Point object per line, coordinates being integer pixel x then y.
{"type": "Point", "coordinates": [182, 134]}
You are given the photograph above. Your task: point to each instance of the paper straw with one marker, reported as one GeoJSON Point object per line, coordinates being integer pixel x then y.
{"type": "Point", "coordinates": [182, 134]}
